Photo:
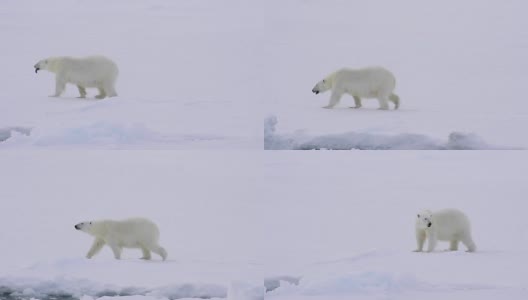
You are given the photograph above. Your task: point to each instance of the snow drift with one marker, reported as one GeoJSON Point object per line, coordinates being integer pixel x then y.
{"type": "Point", "coordinates": [370, 141]}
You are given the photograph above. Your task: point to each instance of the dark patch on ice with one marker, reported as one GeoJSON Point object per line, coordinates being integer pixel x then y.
{"type": "Point", "coordinates": [71, 289]}
{"type": "Point", "coordinates": [11, 294]}
{"type": "Point", "coordinates": [274, 283]}
{"type": "Point", "coordinates": [370, 141]}
{"type": "Point", "coordinates": [6, 133]}
{"type": "Point", "coordinates": [104, 133]}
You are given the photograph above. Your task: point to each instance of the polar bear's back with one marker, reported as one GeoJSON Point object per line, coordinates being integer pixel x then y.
{"type": "Point", "coordinates": [451, 222]}
{"type": "Point", "coordinates": [90, 68]}
{"type": "Point", "coordinates": [366, 81]}
{"type": "Point", "coordinates": [131, 231]}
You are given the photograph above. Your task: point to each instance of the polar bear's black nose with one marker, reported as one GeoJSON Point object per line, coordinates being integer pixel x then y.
{"type": "Point", "coordinates": [77, 227]}
{"type": "Point", "coordinates": [36, 70]}
{"type": "Point", "coordinates": [429, 225]}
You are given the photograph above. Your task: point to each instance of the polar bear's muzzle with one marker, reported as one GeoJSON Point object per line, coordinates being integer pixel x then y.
{"type": "Point", "coordinates": [37, 67]}
{"type": "Point", "coordinates": [315, 91]}
{"type": "Point", "coordinates": [78, 226]}
{"type": "Point", "coordinates": [429, 224]}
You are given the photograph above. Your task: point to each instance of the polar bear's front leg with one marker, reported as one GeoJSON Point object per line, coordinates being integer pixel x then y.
{"type": "Point", "coordinates": [60, 85]}
{"type": "Point", "coordinates": [357, 102]}
{"type": "Point", "coordinates": [420, 240]}
{"type": "Point", "coordinates": [334, 99]}
{"type": "Point", "coordinates": [96, 247]}
{"type": "Point", "coordinates": [431, 243]}
{"type": "Point", "coordinates": [82, 91]}
{"type": "Point", "coordinates": [117, 250]}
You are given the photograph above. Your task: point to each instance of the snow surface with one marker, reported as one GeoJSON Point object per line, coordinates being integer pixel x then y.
{"type": "Point", "coordinates": [187, 74]}
{"type": "Point", "coordinates": [278, 225]}
{"type": "Point", "coordinates": [459, 67]}
{"type": "Point", "coordinates": [240, 224]}
{"type": "Point", "coordinates": [370, 141]}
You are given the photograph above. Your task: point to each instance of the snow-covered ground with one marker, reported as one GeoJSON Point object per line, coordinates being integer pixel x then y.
{"type": "Point", "coordinates": [354, 140]}
{"type": "Point", "coordinates": [332, 224]}
{"type": "Point", "coordinates": [459, 67]}
{"type": "Point", "coordinates": [241, 224]}
{"type": "Point", "coordinates": [187, 74]}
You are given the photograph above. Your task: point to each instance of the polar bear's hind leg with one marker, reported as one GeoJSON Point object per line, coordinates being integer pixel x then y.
{"type": "Point", "coordinates": [395, 99]}
{"type": "Point", "coordinates": [146, 253]}
{"type": "Point", "coordinates": [384, 103]}
{"type": "Point", "coordinates": [453, 246]}
{"type": "Point", "coordinates": [159, 251]}
{"type": "Point", "coordinates": [82, 91]}
{"type": "Point", "coordinates": [468, 242]}
{"type": "Point", "coordinates": [110, 90]}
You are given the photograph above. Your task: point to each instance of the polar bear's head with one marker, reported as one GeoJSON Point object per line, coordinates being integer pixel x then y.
{"type": "Point", "coordinates": [47, 64]}
{"type": "Point", "coordinates": [424, 219]}
{"type": "Point", "coordinates": [87, 227]}
{"type": "Point", "coordinates": [322, 86]}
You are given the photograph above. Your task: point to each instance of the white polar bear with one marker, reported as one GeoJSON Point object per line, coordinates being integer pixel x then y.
{"type": "Point", "coordinates": [87, 72]}
{"type": "Point", "coordinates": [130, 233]}
{"type": "Point", "coordinates": [372, 82]}
{"type": "Point", "coordinates": [444, 225]}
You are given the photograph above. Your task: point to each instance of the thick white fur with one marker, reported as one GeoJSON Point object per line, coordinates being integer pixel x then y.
{"type": "Point", "coordinates": [87, 72]}
{"type": "Point", "coordinates": [130, 233]}
{"type": "Point", "coordinates": [444, 225]}
{"type": "Point", "coordinates": [371, 82]}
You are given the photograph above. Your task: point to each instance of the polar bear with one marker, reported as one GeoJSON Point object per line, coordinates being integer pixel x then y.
{"type": "Point", "coordinates": [371, 82]}
{"type": "Point", "coordinates": [130, 233]}
{"type": "Point", "coordinates": [87, 72]}
{"type": "Point", "coordinates": [444, 225]}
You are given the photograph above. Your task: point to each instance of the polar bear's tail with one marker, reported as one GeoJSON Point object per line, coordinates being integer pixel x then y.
{"type": "Point", "coordinates": [395, 99]}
